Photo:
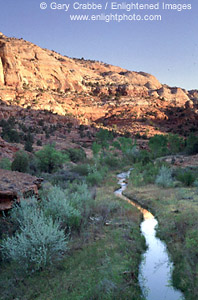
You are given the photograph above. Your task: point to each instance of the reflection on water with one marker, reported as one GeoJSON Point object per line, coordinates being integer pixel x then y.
{"type": "Point", "coordinates": [155, 269]}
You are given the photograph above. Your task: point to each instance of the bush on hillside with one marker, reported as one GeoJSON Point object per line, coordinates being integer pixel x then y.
{"type": "Point", "coordinates": [20, 162]}
{"type": "Point", "coordinates": [50, 159]}
{"type": "Point", "coordinates": [5, 164]}
{"type": "Point", "coordinates": [77, 155]}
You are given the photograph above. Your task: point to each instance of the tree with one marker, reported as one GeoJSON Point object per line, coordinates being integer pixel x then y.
{"type": "Point", "coordinates": [96, 148]}
{"type": "Point", "coordinates": [20, 162]}
{"type": "Point", "coordinates": [158, 145]}
{"type": "Point", "coordinates": [28, 146]}
{"type": "Point", "coordinates": [49, 159]}
{"type": "Point", "coordinates": [192, 144]}
{"type": "Point", "coordinates": [103, 136]}
{"type": "Point", "coordinates": [175, 143]}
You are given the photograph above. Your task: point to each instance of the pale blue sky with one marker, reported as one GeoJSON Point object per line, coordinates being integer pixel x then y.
{"type": "Point", "coordinates": [166, 49]}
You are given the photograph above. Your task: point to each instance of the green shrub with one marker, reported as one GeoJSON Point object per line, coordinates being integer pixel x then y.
{"type": "Point", "coordinates": [158, 145]}
{"type": "Point", "coordinates": [186, 177]}
{"type": "Point", "coordinates": [111, 161]}
{"type": "Point", "coordinates": [96, 173]}
{"type": "Point", "coordinates": [19, 213]}
{"type": "Point", "coordinates": [103, 136]}
{"type": "Point", "coordinates": [28, 146]}
{"type": "Point", "coordinates": [136, 178]}
{"type": "Point", "coordinates": [96, 148]}
{"type": "Point", "coordinates": [38, 242]}
{"type": "Point", "coordinates": [39, 143]}
{"type": "Point", "coordinates": [5, 164]}
{"type": "Point", "coordinates": [192, 145]}
{"type": "Point", "coordinates": [132, 154]}
{"type": "Point", "coordinates": [77, 155]}
{"type": "Point", "coordinates": [150, 172]}
{"type": "Point", "coordinates": [10, 135]}
{"type": "Point", "coordinates": [175, 143]}
{"type": "Point", "coordinates": [50, 159]}
{"type": "Point", "coordinates": [81, 199]}
{"type": "Point", "coordinates": [95, 178]}
{"type": "Point", "coordinates": [144, 157]}
{"type": "Point", "coordinates": [20, 162]}
{"type": "Point", "coordinates": [59, 206]}
{"type": "Point", "coordinates": [62, 178]}
{"type": "Point", "coordinates": [164, 178]}
{"type": "Point", "coordinates": [123, 144]}
{"type": "Point", "coordinates": [82, 169]}
{"type": "Point", "coordinates": [144, 173]}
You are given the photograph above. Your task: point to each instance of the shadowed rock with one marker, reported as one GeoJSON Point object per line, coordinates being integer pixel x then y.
{"type": "Point", "coordinates": [14, 185]}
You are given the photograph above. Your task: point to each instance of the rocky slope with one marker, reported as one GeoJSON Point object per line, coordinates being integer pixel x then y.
{"type": "Point", "coordinates": [92, 92]}
{"type": "Point", "coordinates": [15, 185]}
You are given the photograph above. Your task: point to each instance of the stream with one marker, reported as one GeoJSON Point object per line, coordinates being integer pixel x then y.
{"type": "Point", "coordinates": [156, 266]}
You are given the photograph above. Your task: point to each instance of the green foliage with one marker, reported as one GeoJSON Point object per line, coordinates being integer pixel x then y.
{"type": "Point", "coordinates": [50, 159]}
{"type": "Point", "coordinates": [192, 144]}
{"type": "Point", "coordinates": [144, 173]}
{"type": "Point", "coordinates": [96, 174]}
{"type": "Point", "coordinates": [8, 132]}
{"type": "Point", "coordinates": [39, 143]}
{"type": "Point", "coordinates": [158, 145]}
{"type": "Point", "coordinates": [10, 135]}
{"type": "Point", "coordinates": [28, 146]}
{"type": "Point", "coordinates": [191, 243]}
{"type": "Point", "coordinates": [80, 198]}
{"type": "Point", "coordinates": [186, 177]}
{"type": "Point", "coordinates": [81, 169]}
{"type": "Point", "coordinates": [123, 144]}
{"type": "Point", "coordinates": [77, 155]}
{"type": "Point", "coordinates": [92, 265]}
{"type": "Point", "coordinates": [104, 136]}
{"type": "Point", "coordinates": [175, 143]}
{"type": "Point", "coordinates": [38, 242]}
{"type": "Point", "coordinates": [96, 148]}
{"type": "Point", "coordinates": [164, 178]}
{"type": "Point", "coordinates": [136, 178]}
{"type": "Point", "coordinates": [20, 162]}
{"type": "Point", "coordinates": [132, 154]}
{"type": "Point", "coordinates": [144, 157]}
{"type": "Point", "coordinates": [95, 178]}
{"type": "Point", "coordinates": [150, 172]}
{"type": "Point", "coordinates": [29, 140]}
{"type": "Point", "coordinates": [71, 206]}
{"type": "Point", "coordinates": [59, 206]}
{"type": "Point", "coordinates": [110, 161]}
{"type": "Point", "coordinates": [128, 147]}
{"type": "Point", "coordinates": [5, 164]}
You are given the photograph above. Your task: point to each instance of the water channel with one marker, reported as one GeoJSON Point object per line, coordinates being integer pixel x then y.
{"type": "Point", "coordinates": [156, 266]}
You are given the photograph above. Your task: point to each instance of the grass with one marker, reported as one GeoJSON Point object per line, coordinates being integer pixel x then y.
{"type": "Point", "coordinates": [176, 210]}
{"type": "Point", "coordinates": [102, 262]}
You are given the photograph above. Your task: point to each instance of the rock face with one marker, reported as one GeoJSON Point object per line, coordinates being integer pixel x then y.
{"type": "Point", "coordinates": [7, 150]}
{"type": "Point", "coordinates": [31, 77]}
{"type": "Point", "coordinates": [14, 185]}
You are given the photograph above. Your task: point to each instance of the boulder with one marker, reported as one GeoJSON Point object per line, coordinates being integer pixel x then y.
{"type": "Point", "coordinates": [14, 185]}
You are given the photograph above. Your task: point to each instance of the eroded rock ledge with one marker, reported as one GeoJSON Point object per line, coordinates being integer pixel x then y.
{"type": "Point", "coordinates": [14, 185]}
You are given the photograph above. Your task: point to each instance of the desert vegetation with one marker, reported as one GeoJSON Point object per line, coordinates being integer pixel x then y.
{"type": "Point", "coordinates": [78, 238]}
